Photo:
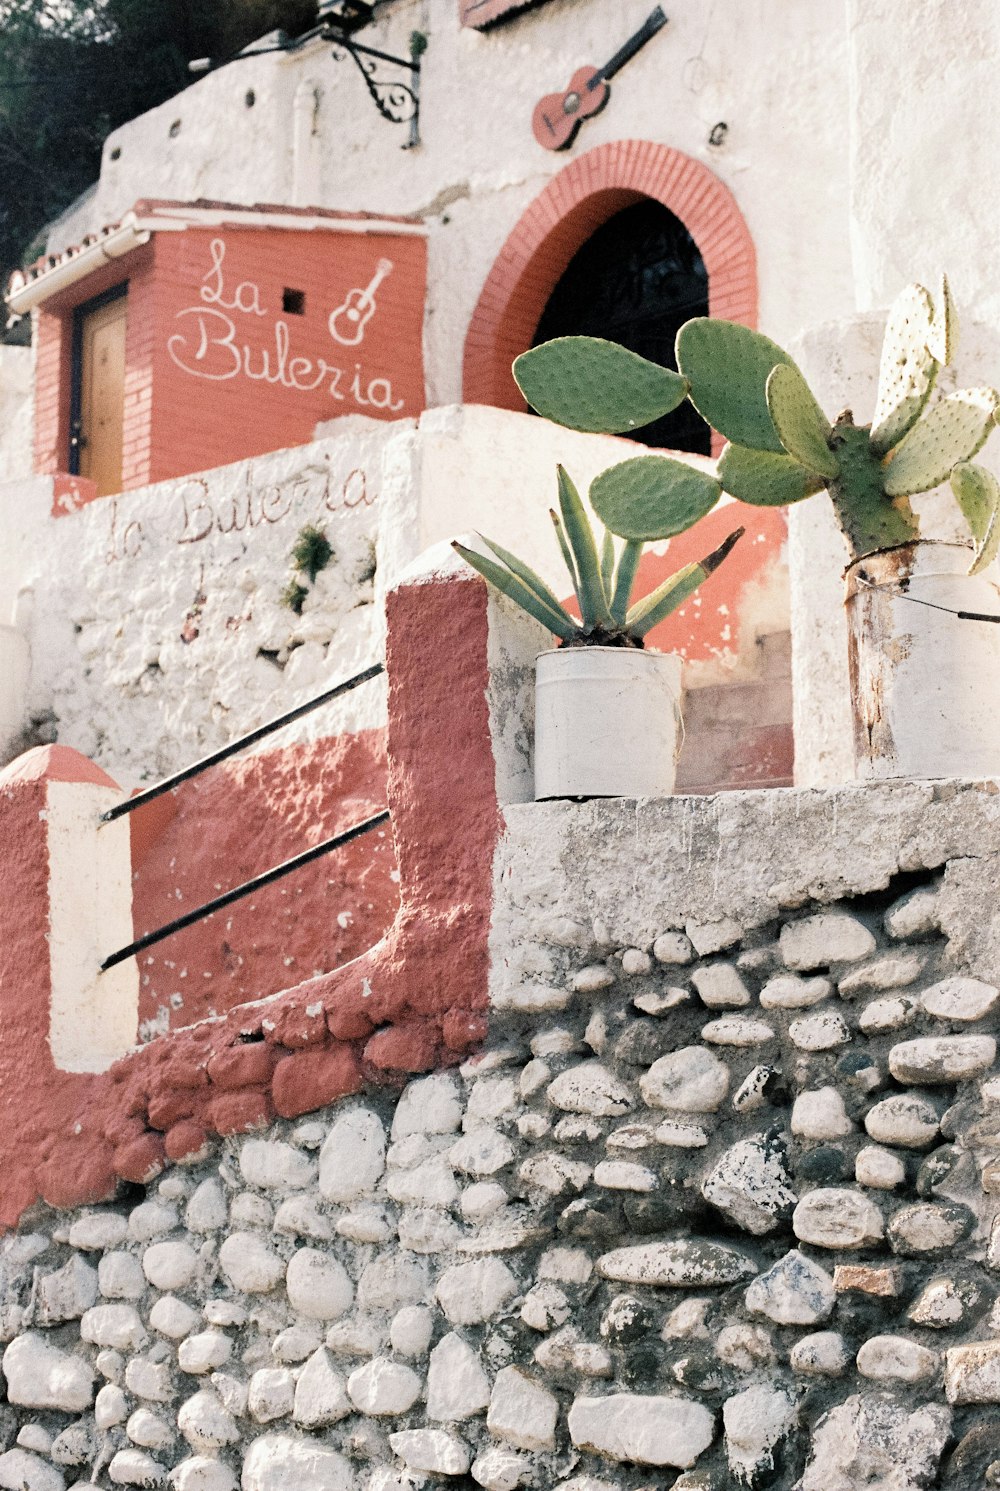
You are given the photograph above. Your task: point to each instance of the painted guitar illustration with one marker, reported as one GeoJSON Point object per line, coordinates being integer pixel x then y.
{"type": "Point", "coordinates": [558, 116]}
{"type": "Point", "coordinates": [347, 323]}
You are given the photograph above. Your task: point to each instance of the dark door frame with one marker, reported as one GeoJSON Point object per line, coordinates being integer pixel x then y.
{"type": "Point", "coordinates": [80, 314]}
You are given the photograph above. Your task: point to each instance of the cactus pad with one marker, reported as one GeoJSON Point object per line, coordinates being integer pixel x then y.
{"type": "Point", "coordinates": [952, 431]}
{"type": "Point", "coordinates": [907, 370]}
{"type": "Point", "coordinates": [728, 367]}
{"type": "Point", "coordinates": [868, 518]}
{"type": "Point", "coordinates": [977, 493]}
{"type": "Point", "coordinates": [764, 478]}
{"type": "Point", "coordinates": [943, 342]}
{"type": "Point", "coordinates": [585, 383]}
{"type": "Point", "coordinates": [802, 426]}
{"type": "Point", "coordinates": [652, 497]}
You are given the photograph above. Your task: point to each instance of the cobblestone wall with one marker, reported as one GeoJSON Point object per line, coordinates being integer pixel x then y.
{"type": "Point", "coordinates": [720, 1216]}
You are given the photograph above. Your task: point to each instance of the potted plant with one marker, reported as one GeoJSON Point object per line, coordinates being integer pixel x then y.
{"type": "Point", "coordinates": [923, 683]}
{"type": "Point", "coordinates": [600, 671]}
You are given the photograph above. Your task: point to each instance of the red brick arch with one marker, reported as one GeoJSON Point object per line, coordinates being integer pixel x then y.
{"type": "Point", "coordinates": [561, 218]}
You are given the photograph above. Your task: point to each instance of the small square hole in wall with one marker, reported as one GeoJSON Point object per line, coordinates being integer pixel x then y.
{"type": "Point", "coordinates": [293, 302]}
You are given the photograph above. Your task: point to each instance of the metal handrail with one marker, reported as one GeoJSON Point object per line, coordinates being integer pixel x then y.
{"type": "Point", "coordinates": [169, 783]}
{"type": "Point", "coordinates": [246, 889]}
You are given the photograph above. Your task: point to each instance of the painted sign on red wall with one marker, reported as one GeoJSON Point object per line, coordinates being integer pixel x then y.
{"type": "Point", "coordinates": [262, 334]}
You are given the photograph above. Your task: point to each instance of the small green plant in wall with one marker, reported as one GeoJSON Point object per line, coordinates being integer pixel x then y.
{"type": "Point", "coordinates": [584, 383]}
{"type": "Point", "coordinates": [311, 553]}
{"type": "Point", "coordinates": [783, 448]}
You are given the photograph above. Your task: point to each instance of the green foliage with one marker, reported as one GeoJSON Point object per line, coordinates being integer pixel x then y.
{"type": "Point", "coordinates": [602, 580]}
{"type": "Point", "coordinates": [588, 384]}
{"type": "Point", "coordinates": [311, 552]}
{"type": "Point", "coordinates": [294, 595]}
{"type": "Point", "coordinates": [802, 427]}
{"type": "Point", "coordinates": [764, 479]}
{"type": "Point", "coordinates": [782, 447]}
{"type": "Point", "coordinates": [652, 497]}
{"type": "Point", "coordinates": [71, 73]}
{"type": "Point", "coordinates": [977, 493]}
{"type": "Point", "coordinates": [728, 367]}
{"type": "Point", "coordinates": [908, 369]}
{"type": "Point", "coordinates": [954, 430]}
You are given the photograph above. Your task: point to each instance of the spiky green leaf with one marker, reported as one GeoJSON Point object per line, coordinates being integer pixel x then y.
{"type": "Point", "coordinates": [527, 575]}
{"type": "Point", "coordinates": [628, 563]}
{"type": "Point", "coordinates": [728, 367]}
{"type": "Point", "coordinates": [580, 536]}
{"type": "Point", "coordinates": [586, 383]}
{"type": "Point", "coordinates": [943, 342]}
{"type": "Point", "coordinates": [666, 598]}
{"type": "Point", "coordinates": [802, 426]}
{"type": "Point", "coordinates": [908, 368]}
{"type": "Point", "coordinates": [561, 625]}
{"type": "Point", "coordinates": [608, 563]}
{"type": "Point", "coordinates": [652, 497]}
{"type": "Point", "coordinates": [977, 493]}
{"type": "Point", "coordinates": [950, 432]}
{"type": "Point", "coordinates": [764, 479]}
{"type": "Point", "coordinates": [566, 551]}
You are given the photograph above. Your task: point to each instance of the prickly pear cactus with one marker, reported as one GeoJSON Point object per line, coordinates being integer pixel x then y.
{"type": "Point", "coordinates": [728, 366]}
{"type": "Point", "coordinates": [782, 447]}
{"type": "Point", "coordinates": [977, 493]}
{"type": "Point", "coordinates": [652, 497]}
{"type": "Point", "coordinates": [908, 369]}
{"type": "Point", "coordinates": [802, 427]}
{"type": "Point", "coordinates": [954, 430]}
{"type": "Point", "coordinates": [585, 383]}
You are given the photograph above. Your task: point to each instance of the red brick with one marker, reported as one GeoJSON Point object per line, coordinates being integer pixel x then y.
{"type": "Point", "coordinates": [169, 1107]}
{"type": "Point", "coordinates": [184, 1139]}
{"type": "Point", "coordinates": [141, 1160]}
{"type": "Point", "coordinates": [240, 1112]}
{"type": "Point", "coordinates": [411, 1047]}
{"type": "Point", "coordinates": [242, 1066]}
{"type": "Point", "coordinates": [463, 1029]}
{"type": "Point", "coordinates": [311, 1079]}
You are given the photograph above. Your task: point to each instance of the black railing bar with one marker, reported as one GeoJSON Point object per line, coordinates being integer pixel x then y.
{"type": "Point", "coordinates": [169, 783]}
{"type": "Point", "coordinates": [246, 889]}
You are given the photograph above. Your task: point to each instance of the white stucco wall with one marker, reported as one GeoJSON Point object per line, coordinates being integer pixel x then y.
{"type": "Point", "coordinates": [155, 620]}
{"type": "Point", "coordinates": [478, 167]}
{"type": "Point", "coordinates": [16, 402]}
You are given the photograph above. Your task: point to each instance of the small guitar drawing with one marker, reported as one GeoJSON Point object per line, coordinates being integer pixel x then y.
{"type": "Point", "coordinates": [558, 116]}
{"type": "Point", "coordinates": [347, 323]}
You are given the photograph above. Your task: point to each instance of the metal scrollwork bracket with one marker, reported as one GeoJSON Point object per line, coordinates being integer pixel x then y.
{"type": "Point", "coordinates": [396, 101]}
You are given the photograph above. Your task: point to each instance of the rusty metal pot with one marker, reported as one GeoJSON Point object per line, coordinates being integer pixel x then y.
{"type": "Point", "coordinates": [925, 685]}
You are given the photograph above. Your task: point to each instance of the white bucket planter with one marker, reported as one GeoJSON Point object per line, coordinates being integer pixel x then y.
{"type": "Point", "coordinates": [607, 722]}
{"type": "Point", "coordinates": [925, 686]}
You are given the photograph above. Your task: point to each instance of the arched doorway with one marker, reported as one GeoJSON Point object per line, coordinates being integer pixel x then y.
{"type": "Point", "coordinates": [636, 281]}
{"type": "Point", "coordinates": [578, 200]}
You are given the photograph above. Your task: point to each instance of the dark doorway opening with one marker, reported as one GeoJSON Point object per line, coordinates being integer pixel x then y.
{"type": "Point", "coordinates": [636, 281]}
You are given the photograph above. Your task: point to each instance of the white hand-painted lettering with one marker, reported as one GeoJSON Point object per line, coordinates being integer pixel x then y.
{"type": "Point", "coordinates": [209, 344]}
{"type": "Point", "coordinates": [246, 297]}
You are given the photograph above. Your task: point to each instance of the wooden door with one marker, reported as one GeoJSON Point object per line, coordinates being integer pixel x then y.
{"type": "Point", "coordinates": [102, 394]}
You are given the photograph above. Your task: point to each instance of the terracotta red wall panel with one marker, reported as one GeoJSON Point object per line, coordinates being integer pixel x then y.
{"type": "Point", "coordinates": [254, 341]}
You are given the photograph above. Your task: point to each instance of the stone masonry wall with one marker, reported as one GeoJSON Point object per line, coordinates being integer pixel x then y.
{"type": "Point", "coordinates": [711, 1211]}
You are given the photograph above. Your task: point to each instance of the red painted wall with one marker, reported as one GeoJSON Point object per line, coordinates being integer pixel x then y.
{"type": "Point", "coordinates": [415, 1002]}
{"type": "Point", "coordinates": [218, 370]}
{"type": "Point", "coordinates": [235, 375]}
{"type": "Point", "coordinates": [235, 822]}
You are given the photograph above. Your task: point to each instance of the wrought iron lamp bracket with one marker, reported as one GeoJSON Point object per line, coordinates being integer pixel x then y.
{"type": "Point", "coordinates": [396, 101]}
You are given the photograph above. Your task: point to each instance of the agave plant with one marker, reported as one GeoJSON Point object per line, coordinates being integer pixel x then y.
{"type": "Point", "coordinates": [782, 448]}
{"type": "Point", "coordinates": [585, 383]}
